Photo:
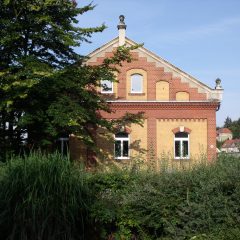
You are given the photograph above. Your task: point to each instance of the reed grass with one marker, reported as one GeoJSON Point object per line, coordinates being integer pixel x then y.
{"type": "Point", "coordinates": [43, 197]}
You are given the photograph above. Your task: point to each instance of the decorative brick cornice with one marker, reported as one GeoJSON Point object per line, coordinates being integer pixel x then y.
{"type": "Point", "coordinates": [144, 105]}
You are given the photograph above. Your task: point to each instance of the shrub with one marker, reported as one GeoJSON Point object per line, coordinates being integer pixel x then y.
{"type": "Point", "coordinates": [187, 204]}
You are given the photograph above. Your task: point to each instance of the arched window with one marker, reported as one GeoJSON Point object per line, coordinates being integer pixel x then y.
{"type": "Point", "coordinates": [136, 83]}
{"type": "Point", "coordinates": [121, 145]}
{"type": "Point", "coordinates": [181, 145]}
{"type": "Point", "coordinates": [106, 86]}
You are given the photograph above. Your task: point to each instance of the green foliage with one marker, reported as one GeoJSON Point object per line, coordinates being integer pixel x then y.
{"type": "Point", "coordinates": [186, 204]}
{"type": "Point", "coordinates": [234, 126]}
{"type": "Point", "coordinates": [49, 197]}
{"type": "Point", "coordinates": [37, 39]}
{"type": "Point", "coordinates": [43, 197]}
{"type": "Point", "coordinates": [46, 89]}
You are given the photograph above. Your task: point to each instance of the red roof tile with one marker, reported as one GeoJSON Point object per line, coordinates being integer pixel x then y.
{"type": "Point", "coordinates": [224, 130]}
{"type": "Point", "coordinates": [231, 143]}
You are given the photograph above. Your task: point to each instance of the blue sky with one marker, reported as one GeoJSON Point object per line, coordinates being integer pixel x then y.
{"type": "Point", "coordinates": [201, 37]}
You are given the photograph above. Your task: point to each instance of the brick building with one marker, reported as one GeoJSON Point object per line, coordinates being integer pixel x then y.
{"type": "Point", "coordinates": [180, 111]}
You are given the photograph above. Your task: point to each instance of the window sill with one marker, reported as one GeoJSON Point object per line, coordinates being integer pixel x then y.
{"type": "Point", "coordinates": [136, 94]}
{"type": "Point", "coordinates": [108, 93]}
{"type": "Point", "coordinates": [182, 158]}
{"type": "Point", "coordinates": [122, 158]}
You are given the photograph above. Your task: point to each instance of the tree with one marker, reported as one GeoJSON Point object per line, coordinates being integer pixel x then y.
{"type": "Point", "coordinates": [45, 87]}
{"type": "Point", "coordinates": [234, 126]}
{"type": "Point", "coordinates": [227, 122]}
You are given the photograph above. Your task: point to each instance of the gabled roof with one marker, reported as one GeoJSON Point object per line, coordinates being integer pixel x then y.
{"type": "Point", "coordinates": [224, 130]}
{"type": "Point", "coordinates": [231, 143]}
{"type": "Point", "coordinates": [212, 94]}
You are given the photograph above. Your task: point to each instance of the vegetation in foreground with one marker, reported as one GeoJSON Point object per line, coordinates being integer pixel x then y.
{"type": "Point", "coordinates": [50, 197]}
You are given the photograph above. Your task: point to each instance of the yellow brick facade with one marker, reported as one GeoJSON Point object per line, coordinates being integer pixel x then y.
{"type": "Point", "coordinates": [182, 96]}
{"type": "Point", "coordinates": [138, 139]}
{"type": "Point", "coordinates": [197, 137]}
{"type": "Point", "coordinates": [162, 91]}
{"type": "Point", "coordinates": [138, 143]}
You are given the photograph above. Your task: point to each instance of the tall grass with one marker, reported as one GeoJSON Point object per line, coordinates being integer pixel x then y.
{"type": "Point", "coordinates": [43, 197]}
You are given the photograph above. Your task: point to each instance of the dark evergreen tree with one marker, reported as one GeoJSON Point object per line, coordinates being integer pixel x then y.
{"type": "Point", "coordinates": [228, 122]}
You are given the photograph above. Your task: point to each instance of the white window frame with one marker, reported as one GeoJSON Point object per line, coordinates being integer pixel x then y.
{"type": "Point", "coordinates": [181, 146]}
{"type": "Point", "coordinates": [62, 141]}
{"type": "Point", "coordinates": [106, 91]}
{"type": "Point", "coordinates": [121, 139]}
{"type": "Point", "coordinates": [141, 83]}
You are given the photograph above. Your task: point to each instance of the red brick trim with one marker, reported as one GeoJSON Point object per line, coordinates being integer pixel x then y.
{"type": "Point", "coordinates": [176, 130]}
{"type": "Point", "coordinates": [128, 130]}
{"type": "Point", "coordinates": [162, 80]}
{"type": "Point", "coordinates": [163, 105]}
{"type": "Point", "coordinates": [125, 129]}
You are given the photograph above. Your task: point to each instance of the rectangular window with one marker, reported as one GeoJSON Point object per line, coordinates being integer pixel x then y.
{"type": "Point", "coordinates": [118, 149]}
{"type": "Point", "coordinates": [185, 149]}
{"type": "Point", "coordinates": [63, 145]}
{"type": "Point", "coordinates": [181, 145]}
{"type": "Point", "coordinates": [106, 86]}
{"type": "Point", "coordinates": [177, 149]}
{"type": "Point", "coordinates": [121, 147]}
{"type": "Point", "coordinates": [125, 148]}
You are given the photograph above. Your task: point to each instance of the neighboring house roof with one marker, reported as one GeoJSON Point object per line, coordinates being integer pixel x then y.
{"type": "Point", "coordinates": [231, 143]}
{"type": "Point", "coordinates": [212, 94]}
{"type": "Point", "coordinates": [224, 130]}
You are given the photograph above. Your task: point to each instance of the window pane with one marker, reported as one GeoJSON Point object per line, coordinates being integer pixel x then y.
{"type": "Point", "coordinates": [118, 149]}
{"type": "Point", "coordinates": [63, 146]}
{"type": "Point", "coordinates": [125, 148]}
{"type": "Point", "coordinates": [185, 149]}
{"type": "Point", "coordinates": [107, 86]}
{"type": "Point", "coordinates": [177, 149]}
{"type": "Point", "coordinates": [181, 135]}
{"type": "Point", "coordinates": [136, 83]}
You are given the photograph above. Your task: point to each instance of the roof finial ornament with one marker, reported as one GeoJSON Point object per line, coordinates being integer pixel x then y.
{"type": "Point", "coordinates": [218, 84]}
{"type": "Point", "coordinates": [122, 24]}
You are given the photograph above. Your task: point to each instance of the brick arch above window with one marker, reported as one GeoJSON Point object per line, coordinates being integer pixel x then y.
{"type": "Point", "coordinates": [181, 129]}
{"type": "Point", "coordinates": [125, 129]}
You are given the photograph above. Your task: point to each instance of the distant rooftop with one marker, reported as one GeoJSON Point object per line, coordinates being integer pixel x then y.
{"type": "Point", "coordinates": [224, 130]}
{"type": "Point", "coordinates": [231, 143]}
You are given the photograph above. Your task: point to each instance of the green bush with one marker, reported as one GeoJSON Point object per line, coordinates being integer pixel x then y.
{"type": "Point", "coordinates": [189, 204]}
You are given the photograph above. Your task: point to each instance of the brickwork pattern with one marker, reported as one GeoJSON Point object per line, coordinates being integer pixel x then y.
{"type": "Point", "coordinates": [154, 74]}
{"type": "Point", "coordinates": [165, 111]}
